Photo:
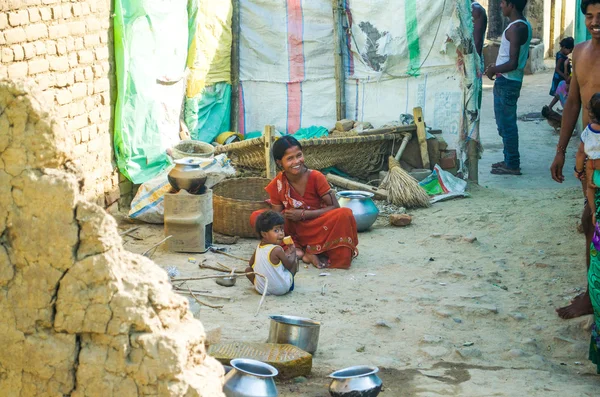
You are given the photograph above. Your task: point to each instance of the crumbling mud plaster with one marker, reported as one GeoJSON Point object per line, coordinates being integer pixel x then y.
{"type": "Point", "coordinates": [80, 315]}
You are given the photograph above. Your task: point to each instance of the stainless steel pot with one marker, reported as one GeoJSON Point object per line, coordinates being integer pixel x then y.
{"type": "Point", "coordinates": [187, 175]}
{"type": "Point", "coordinates": [297, 331]}
{"type": "Point", "coordinates": [359, 381]}
{"type": "Point", "coordinates": [363, 208]}
{"type": "Point", "coordinates": [250, 378]}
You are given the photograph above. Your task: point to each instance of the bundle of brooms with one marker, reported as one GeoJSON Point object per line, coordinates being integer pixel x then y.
{"type": "Point", "coordinates": [403, 189]}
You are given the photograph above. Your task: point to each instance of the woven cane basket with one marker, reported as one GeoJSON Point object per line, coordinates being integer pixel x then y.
{"type": "Point", "coordinates": [356, 155]}
{"type": "Point", "coordinates": [234, 200]}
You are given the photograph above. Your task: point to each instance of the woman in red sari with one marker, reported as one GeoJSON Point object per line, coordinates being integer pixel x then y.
{"type": "Point", "coordinates": [324, 234]}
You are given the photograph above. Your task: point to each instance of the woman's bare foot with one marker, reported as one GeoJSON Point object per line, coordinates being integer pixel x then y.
{"type": "Point", "coordinates": [318, 261]}
{"type": "Point", "coordinates": [581, 305]}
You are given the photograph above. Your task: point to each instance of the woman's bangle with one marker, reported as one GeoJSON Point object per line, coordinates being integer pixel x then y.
{"type": "Point", "coordinates": [560, 149]}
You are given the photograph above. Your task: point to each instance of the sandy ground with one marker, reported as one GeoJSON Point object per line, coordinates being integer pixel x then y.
{"type": "Point", "coordinates": [461, 318]}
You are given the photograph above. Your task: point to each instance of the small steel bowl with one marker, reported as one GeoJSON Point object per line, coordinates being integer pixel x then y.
{"type": "Point", "coordinates": [226, 281]}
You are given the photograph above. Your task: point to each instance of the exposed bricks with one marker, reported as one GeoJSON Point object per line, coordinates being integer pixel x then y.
{"type": "Point", "coordinates": [16, 35]}
{"type": "Point", "coordinates": [101, 85]}
{"type": "Point", "coordinates": [17, 70]}
{"type": "Point", "coordinates": [85, 57]}
{"type": "Point", "coordinates": [18, 18]}
{"type": "Point", "coordinates": [18, 52]}
{"type": "Point", "coordinates": [34, 15]}
{"type": "Point", "coordinates": [57, 31]}
{"type": "Point", "coordinates": [79, 90]}
{"type": "Point", "coordinates": [64, 46]}
{"type": "Point", "coordinates": [63, 96]}
{"type": "Point", "coordinates": [30, 50]}
{"type": "Point", "coordinates": [59, 64]}
{"type": "Point", "coordinates": [36, 31]}
{"type": "Point", "coordinates": [92, 40]}
{"type": "Point", "coordinates": [102, 53]}
{"type": "Point", "coordinates": [38, 66]}
{"type": "Point", "coordinates": [46, 13]}
{"type": "Point", "coordinates": [7, 55]}
{"type": "Point", "coordinates": [77, 28]}
{"type": "Point", "coordinates": [3, 20]}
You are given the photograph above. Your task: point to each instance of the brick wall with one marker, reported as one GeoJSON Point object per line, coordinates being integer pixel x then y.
{"type": "Point", "coordinates": [66, 48]}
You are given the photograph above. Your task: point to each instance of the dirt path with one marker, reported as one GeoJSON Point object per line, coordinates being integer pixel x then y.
{"type": "Point", "coordinates": [456, 318]}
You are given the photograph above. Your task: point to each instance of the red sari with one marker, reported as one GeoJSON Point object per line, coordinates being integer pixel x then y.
{"type": "Point", "coordinates": [333, 233]}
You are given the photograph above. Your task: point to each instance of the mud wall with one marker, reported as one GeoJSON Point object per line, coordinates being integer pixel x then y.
{"type": "Point", "coordinates": [80, 315]}
{"type": "Point", "coordinates": [65, 47]}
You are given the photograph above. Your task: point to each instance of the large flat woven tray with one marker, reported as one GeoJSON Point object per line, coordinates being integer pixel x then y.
{"type": "Point", "coordinates": [358, 155]}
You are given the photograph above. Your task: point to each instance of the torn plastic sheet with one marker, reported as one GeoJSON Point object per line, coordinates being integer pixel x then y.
{"type": "Point", "coordinates": [442, 185]}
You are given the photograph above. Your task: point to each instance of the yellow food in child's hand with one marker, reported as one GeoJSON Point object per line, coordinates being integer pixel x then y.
{"type": "Point", "coordinates": [288, 240]}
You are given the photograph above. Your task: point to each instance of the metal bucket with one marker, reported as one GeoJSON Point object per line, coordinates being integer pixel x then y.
{"type": "Point", "coordinates": [297, 331]}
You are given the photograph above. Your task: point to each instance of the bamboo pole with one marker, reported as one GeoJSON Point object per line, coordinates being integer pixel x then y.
{"type": "Point", "coordinates": [422, 135]}
{"type": "Point", "coordinates": [390, 130]}
{"type": "Point", "coordinates": [379, 194]}
{"type": "Point", "coordinates": [235, 66]}
{"type": "Point", "coordinates": [473, 160]}
{"type": "Point", "coordinates": [270, 161]}
{"type": "Point", "coordinates": [340, 76]}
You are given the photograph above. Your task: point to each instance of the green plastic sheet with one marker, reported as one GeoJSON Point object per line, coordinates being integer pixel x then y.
{"type": "Point", "coordinates": [581, 32]}
{"type": "Point", "coordinates": [412, 37]}
{"type": "Point", "coordinates": [151, 48]}
{"type": "Point", "coordinates": [208, 114]}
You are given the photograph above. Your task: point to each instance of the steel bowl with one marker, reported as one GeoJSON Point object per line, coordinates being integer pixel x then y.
{"type": "Point", "coordinates": [226, 281]}
{"type": "Point", "coordinates": [297, 331]}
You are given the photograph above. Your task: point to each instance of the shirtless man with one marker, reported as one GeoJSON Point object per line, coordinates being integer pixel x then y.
{"type": "Point", "coordinates": [585, 82]}
{"type": "Point", "coordinates": [480, 22]}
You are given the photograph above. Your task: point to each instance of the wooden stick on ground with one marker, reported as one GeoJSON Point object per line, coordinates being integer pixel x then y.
{"type": "Point", "coordinates": [126, 232]}
{"type": "Point", "coordinates": [207, 295]}
{"type": "Point", "coordinates": [215, 268]}
{"type": "Point", "coordinates": [229, 255]}
{"type": "Point", "coordinates": [204, 303]}
{"type": "Point", "coordinates": [213, 276]}
{"type": "Point", "coordinates": [262, 299]}
{"type": "Point", "coordinates": [229, 269]}
{"type": "Point", "coordinates": [155, 246]}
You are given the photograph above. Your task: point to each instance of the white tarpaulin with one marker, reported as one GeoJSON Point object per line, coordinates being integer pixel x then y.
{"type": "Point", "coordinates": [287, 74]}
{"type": "Point", "coordinates": [398, 55]}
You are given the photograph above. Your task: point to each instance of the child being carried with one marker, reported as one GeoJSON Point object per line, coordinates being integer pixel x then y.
{"type": "Point", "coordinates": [590, 148]}
{"type": "Point", "coordinates": [278, 265]}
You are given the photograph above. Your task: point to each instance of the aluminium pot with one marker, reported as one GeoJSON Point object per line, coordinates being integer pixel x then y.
{"type": "Point", "coordinates": [250, 378]}
{"type": "Point", "coordinates": [298, 331]}
{"type": "Point", "coordinates": [358, 381]}
{"type": "Point", "coordinates": [187, 175]}
{"type": "Point", "coordinates": [363, 208]}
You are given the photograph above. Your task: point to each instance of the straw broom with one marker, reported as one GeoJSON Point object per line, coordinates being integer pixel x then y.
{"type": "Point", "coordinates": [403, 189]}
